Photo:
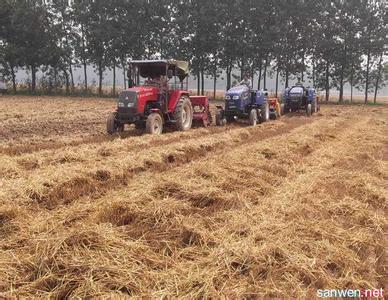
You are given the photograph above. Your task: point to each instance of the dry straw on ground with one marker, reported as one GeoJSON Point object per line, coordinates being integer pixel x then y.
{"type": "Point", "coordinates": [279, 210]}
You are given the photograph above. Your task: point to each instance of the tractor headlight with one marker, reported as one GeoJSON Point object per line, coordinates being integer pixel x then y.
{"type": "Point", "coordinates": [227, 97]}
{"type": "Point", "coordinates": [131, 104]}
{"type": "Point", "coordinates": [120, 104]}
{"type": "Point", "coordinates": [236, 97]}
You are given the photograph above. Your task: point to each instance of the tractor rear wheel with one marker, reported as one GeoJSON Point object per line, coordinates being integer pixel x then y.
{"type": "Point", "coordinates": [309, 109]}
{"type": "Point", "coordinates": [264, 112]}
{"type": "Point", "coordinates": [183, 114]}
{"type": "Point", "coordinates": [154, 124]}
{"type": "Point", "coordinates": [253, 117]}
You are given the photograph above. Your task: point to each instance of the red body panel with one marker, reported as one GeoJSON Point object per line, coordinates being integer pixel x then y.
{"type": "Point", "coordinates": [145, 94]}
{"type": "Point", "coordinates": [174, 98]}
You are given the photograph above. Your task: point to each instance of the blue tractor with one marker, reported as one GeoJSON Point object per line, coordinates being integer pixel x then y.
{"type": "Point", "coordinates": [243, 103]}
{"type": "Point", "coordinates": [299, 97]}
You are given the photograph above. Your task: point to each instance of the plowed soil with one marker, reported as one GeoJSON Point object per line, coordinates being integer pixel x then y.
{"type": "Point", "coordinates": [278, 210]}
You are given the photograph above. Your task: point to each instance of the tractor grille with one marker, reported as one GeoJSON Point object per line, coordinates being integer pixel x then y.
{"type": "Point", "coordinates": [127, 105]}
{"type": "Point", "coordinates": [231, 105]}
{"type": "Point", "coordinates": [295, 98]}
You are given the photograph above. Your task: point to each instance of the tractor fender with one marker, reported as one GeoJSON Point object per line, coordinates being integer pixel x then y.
{"type": "Point", "coordinates": [157, 111]}
{"type": "Point", "coordinates": [174, 98]}
{"type": "Point", "coordinates": [260, 98]}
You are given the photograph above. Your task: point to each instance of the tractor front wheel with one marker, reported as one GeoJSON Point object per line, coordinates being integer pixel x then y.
{"type": "Point", "coordinates": [253, 117]}
{"type": "Point", "coordinates": [309, 109]}
{"type": "Point", "coordinates": [183, 114]}
{"type": "Point", "coordinates": [154, 124]}
{"type": "Point", "coordinates": [112, 126]}
{"type": "Point", "coordinates": [264, 112]}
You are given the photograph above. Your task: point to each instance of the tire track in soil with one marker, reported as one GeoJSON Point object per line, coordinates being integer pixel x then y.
{"type": "Point", "coordinates": [34, 147]}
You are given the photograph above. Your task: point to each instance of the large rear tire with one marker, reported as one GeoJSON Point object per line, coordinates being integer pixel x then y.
{"type": "Point", "coordinates": [264, 112]}
{"type": "Point", "coordinates": [154, 124]}
{"type": "Point", "coordinates": [253, 117]}
{"type": "Point", "coordinates": [183, 114]}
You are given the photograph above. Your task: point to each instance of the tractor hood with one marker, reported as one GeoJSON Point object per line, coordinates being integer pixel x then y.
{"type": "Point", "coordinates": [145, 91]}
{"type": "Point", "coordinates": [238, 90]}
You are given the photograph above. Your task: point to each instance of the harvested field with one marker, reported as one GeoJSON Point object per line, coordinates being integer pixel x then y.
{"type": "Point", "coordinates": [278, 210]}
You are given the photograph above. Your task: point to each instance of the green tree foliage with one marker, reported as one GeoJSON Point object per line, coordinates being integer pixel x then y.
{"type": "Point", "coordinates": [331, 43]}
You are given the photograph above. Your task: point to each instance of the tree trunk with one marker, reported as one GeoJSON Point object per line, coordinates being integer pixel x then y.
{"type": "Point", "coordinates": [202, 83]}
{"type": "Point", "coordinates": [265, 74]}
{"type": "Point", "coordinates": [277, 82]}
{"type": "Point", "coordinates": [260, 73]}
{"type": "Point", "coordinates": [378, 77]}
{"type": "Point", "coordinates": [67, 81]}
{"type": "Point", "coordinates": [84, 58]}
{"type": "Point", "coordinates": [313, 62]}
{"type": "Point", "coordinates": [252, 74]}
{"type": "Point", "coordinates": [13, 79]}
{"type": "Point", "coordinates": [124, 76]}
{"type": "Point", "coordinates": [198, 82]}
{"type": "Point", "coordinates": [228, 77]}
{"type": "Point", "coordinates": [114, 80]}
{"type": "Point", "coordinates": [71, 78]}
{"type": "Point", "coordinates": [242, 68]}
{"type": "Point", "coordinates": [341, 95]}
{"type": "Point", "coordinates": [100, 78]}
{"type": "Point", "coordinates": [367, 77]}
{"type": "Point", "coordinates": [351, 83]}
{"type": "Point", "coordinates": [33, 78]}
{"type": "Point", "coordinates": [85, 76]}
{"type": "Point", "coordinates": [327, 84]}
{"type": "Point", "coordinates": [215, 84]}
{"type": "Point", "coordinates": [287, 78]}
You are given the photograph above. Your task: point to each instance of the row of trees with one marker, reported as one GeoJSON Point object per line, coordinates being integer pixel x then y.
{"type": "Point", "coordinates": [330, 43]}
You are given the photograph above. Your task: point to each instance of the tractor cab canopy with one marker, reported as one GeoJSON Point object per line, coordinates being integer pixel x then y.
{"type": "Point", "coordinates": [157, 68]}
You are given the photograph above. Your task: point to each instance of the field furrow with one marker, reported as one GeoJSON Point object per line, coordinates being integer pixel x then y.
{"type": "Point", "coordinates": [279, 210]}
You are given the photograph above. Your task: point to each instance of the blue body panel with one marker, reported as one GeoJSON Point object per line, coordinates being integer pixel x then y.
{"type": "Point", "coordinates": [299, 96]}
{"type": "Point", "coordinates": [311, 95]}
{"type": "Point", "coordinates": [240, 99]}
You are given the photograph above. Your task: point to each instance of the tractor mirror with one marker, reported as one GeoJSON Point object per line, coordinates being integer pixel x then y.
{"type": "Point", "coordinates": [170, 74]}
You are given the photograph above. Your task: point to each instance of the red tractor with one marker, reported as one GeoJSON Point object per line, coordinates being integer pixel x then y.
{"type": "Point", "coordinates": [161, 98]}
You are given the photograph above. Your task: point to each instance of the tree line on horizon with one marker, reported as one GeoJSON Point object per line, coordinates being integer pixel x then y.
{"type": "Point", "coordinates": [330, 43]}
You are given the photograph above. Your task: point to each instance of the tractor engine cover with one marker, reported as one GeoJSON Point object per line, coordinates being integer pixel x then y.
{"type": "Point", "coordinates": [237, 98]}
{"type": "Point", "coordinates": [132, 102]}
